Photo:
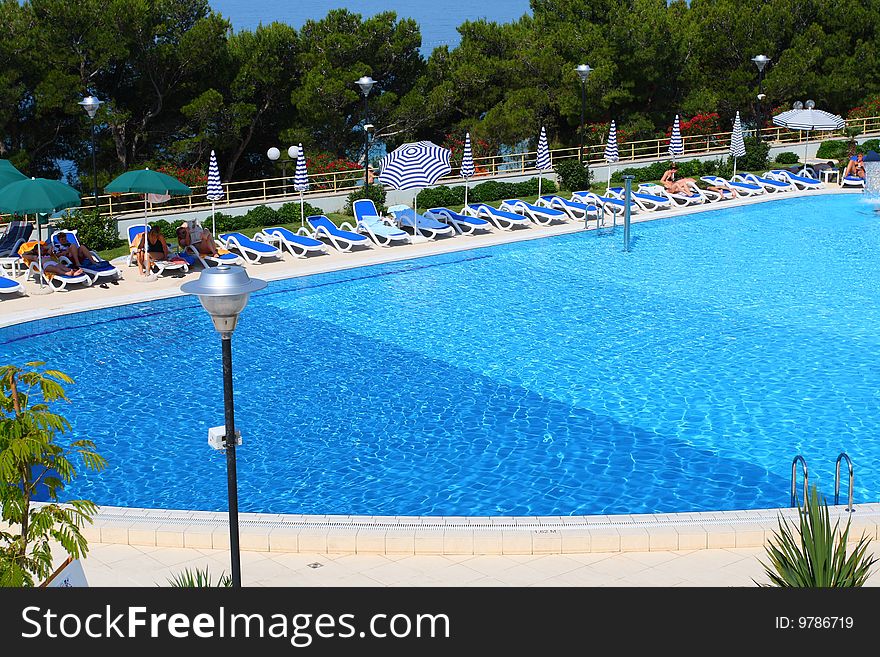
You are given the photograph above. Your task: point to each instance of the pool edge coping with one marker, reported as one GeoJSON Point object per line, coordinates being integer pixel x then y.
{"type": "Point", "coordinates": [412, 535]}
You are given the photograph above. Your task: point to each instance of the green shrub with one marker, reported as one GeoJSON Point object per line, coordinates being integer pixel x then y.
{"type": "Point", "coordinates": [292, 213]}
{"type": "Point", "coordinates": [870, 145]}
{"type": "Point", "coordinates": [262, 215]}
{"type": "Point", "coordinates": [442, 197]}
{"type": "Point", "coordinates": [814, 554]}
{"type": "Point", "coordinates": [93, 230]}
{"type": "Point", "coordinates": [756, 157]}
{"type": "Point", "coordinates": [833, 150]}
{"type": "Point", "coordinates": [573, 176]}
{"type": "Point", "coordinates": [787, 157]}
{"type": "Point", "coordinates": [374, 192]}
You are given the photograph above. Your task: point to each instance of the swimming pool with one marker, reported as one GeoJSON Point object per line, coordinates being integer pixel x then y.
{"type": "Point", "coordinates": [552, 377]}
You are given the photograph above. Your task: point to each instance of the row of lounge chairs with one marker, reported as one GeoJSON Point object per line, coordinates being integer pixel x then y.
{"type": "Point", "coordinates": [402, 224]}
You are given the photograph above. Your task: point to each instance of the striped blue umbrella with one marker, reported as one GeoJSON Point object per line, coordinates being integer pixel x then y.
{"type": "Point", "coordinates": [737, 143]}
{"type": "Point", "coordinates": [611, 153]}
{"type": "Point", "coordinates": [542, 163]}
{"type": "Point", "coordinates": [467, 164]}
{"type": "Point", "coordinates": [301, 181]}
{"type": "Point", "coordinates": [676, 147]}
{"type": "Point", "coordinates": [215, 189]}
{"type": "Point", "coordinates": [415, 165]}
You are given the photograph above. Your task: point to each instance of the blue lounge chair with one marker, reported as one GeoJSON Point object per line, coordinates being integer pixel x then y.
{"type": "Point", "coordinates": [801, 182]}
{"type": "Point", "coordinates": [341, 239]}
{"type": "Point", "coordinates": [100, 268]}
{"type": "Point", "coordinates": [678, 199]}
{"type": "Point", "coordinates": [607, 203]}
{"type": "Point", "coordinates": [463, 224]}
{"type": "Point", "coordinates": [298, 246]}
{"type": "Point", "coordinates": [770, 185]}
{"type": "Point", "coordinates": [575, 210]}
{"type": "Point", "coordinates": [161, 266]}
{"type": "Point", "coordinates": [645, 201]}
{"type": "Point", "coordinates": [852, 181]}
{"type": "Point", "coordinates": [53, 280]}
{"type": "Point", "coordinates": [251, 250]}
{"type": "Point", "coordinates": [405, 217]}
{"type": "Point", "coordinates": [741, 188]}
{"type": "Point", "coordinates": [9, 286]}
{"type": "Point", "coordinates": [499, 218]}
{"type": "Point", "coordinates": [370, 222]}
{"type": "Point", "coordinates": [540, 215]}
{"type": "Point", "coordinates": [17, 233]}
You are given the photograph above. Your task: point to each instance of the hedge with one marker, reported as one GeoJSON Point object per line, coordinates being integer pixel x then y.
{"type": "Point", "coordinates": [486, 192]}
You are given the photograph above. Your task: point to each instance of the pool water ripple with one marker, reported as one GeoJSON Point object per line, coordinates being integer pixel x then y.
{"type": "Point", "coordinates": [553, 377]}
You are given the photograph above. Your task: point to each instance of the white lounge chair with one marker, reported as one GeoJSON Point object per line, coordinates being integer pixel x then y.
{"type": "Point", "coordinates": [852, 181]}
{"type": "Point", "coordinates": [607, 203]}
{"type": "Point", "coordinates": [174, 263]}
{"type": "Point", "coordinates": [9, 286]}
{"type": "Point", "coordinates": [461, 223]}
{"type": "Point", "coordinates": [380, 229]}
{"type": "Point", "coordinates": [741, 188]}
{"type": "Point", "coordinates": [251, 250]}
{"type": "Point", "coordinates": [299, 246]}
{"type": "Point", "coordinates": [425, 225]}
{"type": "Point", "coordinates": [648, 202]}
{"type": "Point", "coordinates": [769, 185]}
{"type": "Point", "coordinates": [501, 219]}
{"type": "Point", "coordinates": [342, 238]}
{"type": "Point", "coordinates": [540, 215]}
{"type": "Point", "coordinates": [678, 199]}
{"type": "Point", "coordinates": [801, 182]}
{"type": "Point", "coordinates": [52, 280]}
{"type": "Point", "coordinates": [96, 270]}
{"type": "Point", "coordinates": [576, 210]}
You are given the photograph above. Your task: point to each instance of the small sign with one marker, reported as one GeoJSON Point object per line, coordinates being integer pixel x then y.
{"type": "Point", "coordinates": [69, 575]}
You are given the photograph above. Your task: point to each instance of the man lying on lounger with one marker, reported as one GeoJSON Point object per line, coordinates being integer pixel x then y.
{"type": "Point", "coordinates": [50, 265]}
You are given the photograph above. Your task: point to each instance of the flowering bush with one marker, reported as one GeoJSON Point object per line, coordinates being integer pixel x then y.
{"type": "Point", "coordinates": [188, 176]}
{"type": "Point", "coordinates": [871, 107]}
{"type": "Point", "coordinates": [597, 133]}
{"type": "Point", "coordinates": [327, 163]}
{"type": "Point", "coordinates": [479, 148]}
{"type": "Point", "coordinates": [700, 124]}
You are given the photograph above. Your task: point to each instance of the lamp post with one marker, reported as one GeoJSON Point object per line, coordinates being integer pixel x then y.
{"type": "Point", "coordinates": [274, 154]}
{"type": "Point", "coordinates": [761, 62]}
{"type": "Point", "coordinates": [583, 71]}
{"type": "Point", "coordinates": [366, 84]}
{"type": "Point", "coordinates": [223, 292]}
{"type": "Point", "coordinates": [91, 104]}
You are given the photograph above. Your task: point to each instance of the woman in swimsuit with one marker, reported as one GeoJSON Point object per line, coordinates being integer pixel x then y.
{"type": "Point", "coordinates": [157, 249]}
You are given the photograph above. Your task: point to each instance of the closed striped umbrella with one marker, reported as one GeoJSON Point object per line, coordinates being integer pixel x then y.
{"type": "Point", "coordinates": [414, 165]}
{"type": "Point", "coordinates": [467, 164]}
{"type": "Point", "coordinates": [301, 181]}
{"type": "Point", "coordinates": [676, 147]}
{"type": "Point", "coordinates": [737, 143]}
{"type": "Point", "coordinates": [611, 153]}
{"type": "Point", "coordinates": [542, 163]}
{"type": "Point", "coordinates": [215, 189]}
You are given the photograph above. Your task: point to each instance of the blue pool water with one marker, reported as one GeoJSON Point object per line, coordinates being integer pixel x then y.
{"type": "Point", "coordinates": [556, 376]}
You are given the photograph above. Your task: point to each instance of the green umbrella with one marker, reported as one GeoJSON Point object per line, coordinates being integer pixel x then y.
{"type": "Point", "coordinates": [145, 182]}
{"type": "Point", "coordinates": [40, 196]}
{"type": "Point", "coordinates": [9, 174]}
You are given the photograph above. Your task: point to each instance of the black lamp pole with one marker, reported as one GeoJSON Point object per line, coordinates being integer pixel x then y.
{"type": "Point", "coordinates": [583, 71]}
{"type": "Point", "coordinates": [231, 468]}
{"type": "Point", "coordinates": [91, 104]}
{"type": "Point", "coordinates": [366, 84]}
{"type": "Point", "coordinates": [761, 62]}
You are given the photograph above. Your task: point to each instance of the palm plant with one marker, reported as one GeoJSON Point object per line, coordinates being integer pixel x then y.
{"type": "Point", "coordinates": [198, 579]}
{"type": "Point", "coordinates": [814, 554]}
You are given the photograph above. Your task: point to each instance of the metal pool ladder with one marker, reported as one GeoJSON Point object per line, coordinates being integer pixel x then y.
{"type": "Point", "coordinates": [843, 455]}
{"type": "Point", "coordinates": [794, 498]}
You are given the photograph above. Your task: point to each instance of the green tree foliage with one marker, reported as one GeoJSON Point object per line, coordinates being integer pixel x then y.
{"type": "Point", "coordinates": [32, 460]}
{"type": "Point", "coordinates": [178, 82]}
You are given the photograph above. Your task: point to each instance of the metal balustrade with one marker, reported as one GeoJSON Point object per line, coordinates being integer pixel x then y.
{"type": "Point", "coordinates": [267, 190]}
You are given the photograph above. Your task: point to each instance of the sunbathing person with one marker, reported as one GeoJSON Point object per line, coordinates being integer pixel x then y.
{"type": "Point", "coordinates": [200, 238]}
{"type": "Point", "coordinates": [46, 259]}
{"type": "Point", "coordinates": [157, 249]}
{"type": "Point", "coordinates": [76, 254]}
{"type": "Point", "coordinates": [673, 186]}
{"type": "Point", "coordinates": [855, 167]}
